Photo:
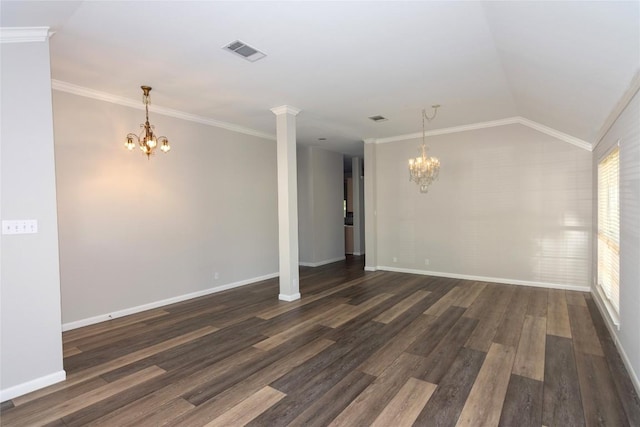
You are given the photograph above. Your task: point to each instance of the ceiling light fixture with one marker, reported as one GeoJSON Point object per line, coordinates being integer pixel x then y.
{"type": "Point", "coordinates": [424, 170]}
{"type": "Point", "coordinates": [147, 140]}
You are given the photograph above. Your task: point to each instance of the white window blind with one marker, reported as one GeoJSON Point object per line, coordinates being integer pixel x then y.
{"type": "Point", "coordinates": [609, 227]}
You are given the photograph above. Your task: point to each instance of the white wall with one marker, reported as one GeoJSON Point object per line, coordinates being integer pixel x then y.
{"type": "Point", "coordinates": [31, 336]}
{"type": "Point", "coordinates": [320, 212]}
{"type": "Point", "coordinates": [626, 129]}
{"type": "Point", "coordinates": [511, 205]}
{"type": "Point", "coordinates": [135, 232]}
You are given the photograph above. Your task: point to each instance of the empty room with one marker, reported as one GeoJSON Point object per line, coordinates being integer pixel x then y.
{"type": "Point", "coordinates": [320, 213]}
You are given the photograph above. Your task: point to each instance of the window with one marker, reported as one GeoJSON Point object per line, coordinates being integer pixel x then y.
{"type": "Point", "coordinates": [609, 228]}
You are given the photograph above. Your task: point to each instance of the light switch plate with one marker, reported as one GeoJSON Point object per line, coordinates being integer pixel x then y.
{"type": "Point", "coordinates": [20, 226]}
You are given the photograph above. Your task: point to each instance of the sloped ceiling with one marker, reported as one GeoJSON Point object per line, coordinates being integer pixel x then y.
{"type": "Point", "coordinates": [564, 65]}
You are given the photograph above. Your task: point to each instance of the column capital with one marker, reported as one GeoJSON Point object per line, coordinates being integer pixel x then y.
{"type": "Point", "coordinates": [285, 109]}
{"type": "Point", "coordinates": [24, 34]}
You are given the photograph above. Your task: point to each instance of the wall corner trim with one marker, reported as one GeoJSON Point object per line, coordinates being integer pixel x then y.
{"type": "Point", "coordinates": [490, 124]}
{"type": "Point", "coordinates": [119, 100]}
{"type": "Point", "coordinates": [33, 385]}
{"type": "Point", "coordinates": [137, 309]}
{"type": "Point", "coordinates": [24, 34]}
{"type": "Point", "coordinates": [625, 99]}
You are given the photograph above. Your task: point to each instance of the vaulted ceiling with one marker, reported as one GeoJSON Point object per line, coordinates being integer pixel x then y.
{"type": "Point", "coordinates": [560, 64]}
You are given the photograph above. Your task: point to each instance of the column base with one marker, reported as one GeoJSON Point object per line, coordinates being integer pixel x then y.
{"type": "Point", "coordinates": [293, 297]}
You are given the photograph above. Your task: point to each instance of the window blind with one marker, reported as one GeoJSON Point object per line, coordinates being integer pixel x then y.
{"type": "Point", "coordinates": [609, 227]}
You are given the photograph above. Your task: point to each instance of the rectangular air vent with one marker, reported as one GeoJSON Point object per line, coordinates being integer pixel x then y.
{"type": "Point", "coordinates": [245, 51]}
{"type": "Point", "coordinates": [378, 119]}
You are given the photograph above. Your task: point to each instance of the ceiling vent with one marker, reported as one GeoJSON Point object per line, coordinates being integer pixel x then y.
{"type": "Point", "coordinates": [245, 51]}
{"type": "Point", "coordinates": [378, 119]}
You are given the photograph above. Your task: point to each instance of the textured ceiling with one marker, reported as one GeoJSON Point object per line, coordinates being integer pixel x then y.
{"type": "Point", "coordinates": [561, 64]}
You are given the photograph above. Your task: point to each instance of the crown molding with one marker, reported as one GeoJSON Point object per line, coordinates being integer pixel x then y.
{"type": "Point", "coordinates": [625, 99]}
{"type": "Point", "coordinates": [24, 34]}
{"type": "Point", "coordinates": [114, 99]}
{"type": "Point", "coordinates": [490, 124]}
{"type": "Point", "coordinates": [556, 134]}
{"type": "Point", "coordinates": [285, 109]}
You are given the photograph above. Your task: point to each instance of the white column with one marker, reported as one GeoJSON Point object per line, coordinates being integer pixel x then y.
{"type": "Point", "coordinates": [370, 223]}
{"type": "Point", "coordinates": [30, 316]}
{"type": "Point", "coordinates": [287, 202]}
{"type": "Point", "coordinates": [358, 206]}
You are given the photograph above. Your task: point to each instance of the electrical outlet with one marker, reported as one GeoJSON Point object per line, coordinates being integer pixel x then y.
{"type": "Point", "coordinates": [395, 259]}
{"type": "Point", "coordinates": [216, 276]}
{"type": "Point", "coordinates": [427, 261]}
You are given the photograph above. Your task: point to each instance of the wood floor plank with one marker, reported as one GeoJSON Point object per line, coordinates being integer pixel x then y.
{"type": "Point", "coordinates": [365, 408]}
{"type": "Point", "coordinates": [440, 359]}
{"type": "Point", "coordinates": [369, 363]}
{"type": "Point", "coordinates": [575, 298]}
{"type": "Point", "coordinates": [557, 314]}
{"type": "Point", "coordinates": [118, 323]}
{"type": "Point", "coordinates": [585, 337]}
{"type": "Point", "coordinates": [401, 307]}
{"type": "Point", "coordinates": [325, 409]}
{"type": "Point", "coordinates": [529, 361]}
{"type": "Point", "coordinates": [406, 405]}
{"type": "Point", "coordinates": [94, 371]}
{"type": "Point", "coordinates": [163, 415]}
{"type": "Point", "coordinates": [624, 387]}
{"type": "Point", "coordinates": [445, 405]}
{"type": "Point", "coordinates": [350, 311]}
{"type": "Point", "coordinates": [445, 302]}
{"type": "Point", "coordinates": [523, 403]}
{"type": "Point", "coordinates": [250, 408]}
{"type": "Point", "coordinates": [510, 328]}
{"type": "Point", "coordinates": [56, 412]}
{"type": "Point", "coordinates": [435, 331]}
{"type": "Point", "coordinates": [562, 404]}
{"type": "Point", "coordinates": [381, 359]}
{"type": "Point", "coordinates": [600, 400]}
{"type": "Point", "coordinates": [538, 303]}
{"type": "Point", "coordinates": [469, 294]}
{"type": "Point", "coordinates": [151, 403]}
{"type": "Point", "coordinates": [70, 351]}
{"type": "Point", "coordinates": [486, 399]}
{"type": "Point", "coordinates": [284, 307]}
{"type": "Point", "coordinates": [226, 400]}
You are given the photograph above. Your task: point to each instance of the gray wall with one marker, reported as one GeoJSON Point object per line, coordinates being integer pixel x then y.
{"type": "Point", "coordinates": [626, 130]}
{"type": "Point", "coordinates": [511, 205]}
{"type": "Point", "coordinates": [135, 232]}
{"type": "Point", "coordinates": [320, 213]}
{"type": "Point", "coordinates": [31, 336]}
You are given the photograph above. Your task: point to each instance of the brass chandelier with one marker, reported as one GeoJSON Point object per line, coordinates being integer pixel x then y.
{"type": "Point", "coordinates": [423, 170]}
{"type": "Point", "coordinates": [147, 140]}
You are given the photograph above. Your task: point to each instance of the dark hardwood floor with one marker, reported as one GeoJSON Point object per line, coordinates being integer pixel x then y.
{"type": "Point", "coordinates": [359, 349]}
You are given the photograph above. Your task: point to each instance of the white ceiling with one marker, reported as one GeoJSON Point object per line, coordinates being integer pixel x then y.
{"type": "Point", "coordinates": [561, 64]}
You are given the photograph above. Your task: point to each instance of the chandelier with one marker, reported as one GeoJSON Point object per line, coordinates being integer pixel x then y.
{"type": "Point", "coordinates": [424, 170]}
{"type": "Point", "coordinates": [147, 140]}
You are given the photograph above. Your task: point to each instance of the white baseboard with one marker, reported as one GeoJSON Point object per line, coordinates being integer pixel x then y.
{"type": "Point", "coordinates": [33, 385]}
{"type": "Point", "coordinates": [366, 268]}
{"type": "Point", "coordinates": [358, 253]}
{"type": "Point", "coordinates": [488, 279]}
{"type": "Point", "coordinates": [613, 331]}
{"type": "Point", "coordinates": [289, 298]}
{"type": "Point", "coordinates": [133, 310]}
{"type": "Point", "coordinates": [319, 263]}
